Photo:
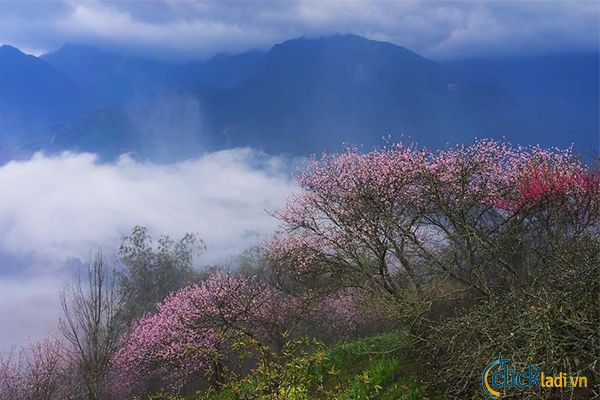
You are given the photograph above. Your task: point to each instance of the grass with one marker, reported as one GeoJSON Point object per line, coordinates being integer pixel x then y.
{"type": "Point", "coordinates": [370, 368]}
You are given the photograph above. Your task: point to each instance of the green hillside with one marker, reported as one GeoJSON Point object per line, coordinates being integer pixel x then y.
{"type": "Point", "coordinates": [370, 368]}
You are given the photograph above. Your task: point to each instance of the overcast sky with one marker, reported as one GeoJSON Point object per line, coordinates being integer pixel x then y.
{"type": "Point", "coordinates": [176, 29]}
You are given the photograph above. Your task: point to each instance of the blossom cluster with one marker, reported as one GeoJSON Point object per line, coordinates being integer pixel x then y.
{"type": "Point", "coordinates": [375, 214]}
{"type": "Point", "coordinates": [190, 331]}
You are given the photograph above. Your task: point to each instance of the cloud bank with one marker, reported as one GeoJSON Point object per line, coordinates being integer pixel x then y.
{"type": "Point", "coordinates": [54, 208]}
{"type": "Point", "coordinates": [63, 206]}
{"type": "Point", "coordinates": [198, 29]}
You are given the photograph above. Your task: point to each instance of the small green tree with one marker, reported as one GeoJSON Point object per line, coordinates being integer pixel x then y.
{"type": "Point", "coordinates": [152, 272]}
{"type": "Point", "coordinates": [253, 262]}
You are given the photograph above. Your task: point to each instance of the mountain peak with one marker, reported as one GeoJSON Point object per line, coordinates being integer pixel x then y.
{"type": "Point", "coordinates": [10, 50]}
{"type": "Point", "coordinates": [344, 43]}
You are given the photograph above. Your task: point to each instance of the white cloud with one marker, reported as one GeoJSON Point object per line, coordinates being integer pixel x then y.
{"type": "Point", "coordinates": [55, 207]}
{"type": "Point", "coordinates": [67, 205]}
{"type": "Point", "coordinates": [94, 21]}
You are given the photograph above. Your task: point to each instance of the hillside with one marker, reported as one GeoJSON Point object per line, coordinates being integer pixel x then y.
{"type": "Point", "coordinates": [312, 94]}
{"type": "Point", "coordinates": [110, 78]}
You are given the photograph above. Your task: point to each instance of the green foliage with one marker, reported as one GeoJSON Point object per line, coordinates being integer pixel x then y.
{"type": "Point", "coordinates": [252, 262]}
{"type": "Point", "coordinates": [382, 380]}
{"type": "Point", "coordinates": [371, 368]}
{"type": "Point", "coordinates": [152, 272]}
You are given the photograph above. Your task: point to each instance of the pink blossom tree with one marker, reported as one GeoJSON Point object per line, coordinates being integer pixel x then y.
{"type": "Point", "coordinates": [346, 314]}
{"type": "Point", "coordinates": [395, 219]}
{"type": "Point", "coordinates": [349, 225]}
{"type": "Point", "coordinates": [11, 377]}
{"type": "Point", "coordinates": [394, 228]}
{"type": "Point", "coordinates": [190, 335]}
{"type": "Point", "coordinates": [36, 372]}
{"type": "Point", "coordinates": [559, 183]}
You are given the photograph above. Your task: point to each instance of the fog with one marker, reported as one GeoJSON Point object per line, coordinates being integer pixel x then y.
{"type": "Point", "coordinates": [56, 210]}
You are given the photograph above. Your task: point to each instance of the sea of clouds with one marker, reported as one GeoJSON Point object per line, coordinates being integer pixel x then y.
{"type": "Point", "coordinates": [55, 209]}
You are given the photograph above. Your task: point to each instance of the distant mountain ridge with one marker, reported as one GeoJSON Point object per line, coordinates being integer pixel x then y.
{"type": "Point", "coordinates": [317, 93]}
{"type": "Point", "coordinates": [302, 96]}
{"type": "Point", "coordinates": [108, 78]}
{"type": "Point", "coordinates": [31, 86]}
{"type": "Point", "coordinates": [33, 96]}
{"type": "Point", "coordinates": [560, 93]}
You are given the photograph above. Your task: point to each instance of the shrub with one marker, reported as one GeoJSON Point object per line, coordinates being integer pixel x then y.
{"type": "Point", "coordinates": [150, 274]}
{"type": "Point", "coordinates": [553, 322]}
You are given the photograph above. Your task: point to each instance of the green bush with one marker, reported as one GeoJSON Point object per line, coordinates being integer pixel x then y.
{"type": "Point", "coordinates": [371, 368]}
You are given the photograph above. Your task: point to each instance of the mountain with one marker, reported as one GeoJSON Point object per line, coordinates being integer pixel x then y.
{"type": "Point", "coordinates": [109, 78]}
{"type": "Point", "coordinates": [164, 131]}
{"type": "Point", "coordinates": [142, 106]}
{"type": "Point", "coordinates": [107, 131]}
{"type": "Point", "coordinates": [33, 92]}
{"type": "Point", "coordinates": [558, 94]}
{"type": "Point", "coordinates": [33, 96]}
{"type": "Point", "coordinates": [310, 95]}
{"type": "Point", "coordinates": [113, 79]}
{"type": "Point", "coordinates": [313, 94]}
{"type": "Point", "coordinates": [307, 95]}
{"type": "Point", "coordinates": [225, 71]}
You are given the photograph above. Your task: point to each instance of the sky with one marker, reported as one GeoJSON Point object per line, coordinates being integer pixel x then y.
{"type": "Point", "coordinates": [183, 30]}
